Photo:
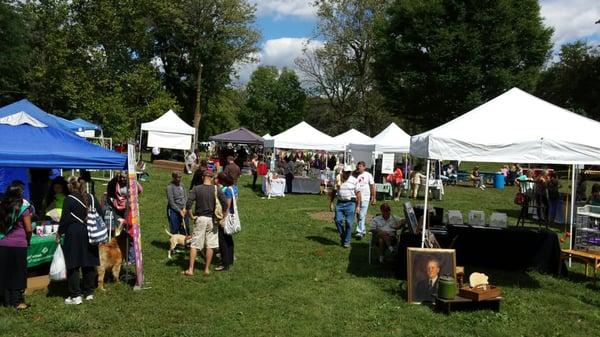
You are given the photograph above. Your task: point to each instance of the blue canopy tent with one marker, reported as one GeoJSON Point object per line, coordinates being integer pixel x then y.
{"type": "Point", "coordinates": [39, 114]}
{"type": "Point", "coordinates": [86, 125]}
{"type": "Point", "coordinates": [29, 137]}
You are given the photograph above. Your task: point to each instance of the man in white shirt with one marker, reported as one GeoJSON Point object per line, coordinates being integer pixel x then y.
{"type": "Point", "coordinates": [348, 204]}
{"type": "Point", "coordinates": [384, 228]}
{"type": "Point", "coordinates": [366, 185]}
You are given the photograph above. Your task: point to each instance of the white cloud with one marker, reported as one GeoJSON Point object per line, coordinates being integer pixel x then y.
{"type": "Point", "coordinates": [572, 20]}
{"type": "Point", "coordinates": [279, 53]}
{"type": "Point", "coordinates": [285, 8]}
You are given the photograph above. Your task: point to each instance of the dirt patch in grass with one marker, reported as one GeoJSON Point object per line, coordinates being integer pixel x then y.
{"type": "Point", "coordinates": [328, 216]}
{"type": "Point", "coordinates": [322, 216]}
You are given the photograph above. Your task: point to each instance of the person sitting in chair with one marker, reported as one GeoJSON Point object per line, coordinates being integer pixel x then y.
{"type": "Point", "coordinates": [477, 178]}
{"type": "Point", "coordinates": [384, 227]}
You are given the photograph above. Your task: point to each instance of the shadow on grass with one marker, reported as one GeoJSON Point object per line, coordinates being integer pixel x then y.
{"type": "Point", "coordinates": [505, 278]}
{"type": "Point", "coordinates": [257, 191]}
{"type": "Point", "coordinates": [322, 240]}
{"type": "Point", "coordinates": [358, 263]}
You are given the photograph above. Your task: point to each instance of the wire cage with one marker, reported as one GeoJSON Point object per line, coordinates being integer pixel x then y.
{"type": "Point", "coordinates": [587, 228]}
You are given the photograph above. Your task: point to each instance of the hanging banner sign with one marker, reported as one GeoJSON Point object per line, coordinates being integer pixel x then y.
{"type": "Point", "coordinates": [387, 163]}
{"type": "Point", "coordinates": [134, 215]}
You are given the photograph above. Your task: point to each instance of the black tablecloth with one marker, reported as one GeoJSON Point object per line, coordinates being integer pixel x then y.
{"type": "Point", "coordinates": [512, 248]}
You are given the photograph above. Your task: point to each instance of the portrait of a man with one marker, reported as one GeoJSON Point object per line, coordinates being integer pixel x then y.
{"type": "Point", "coordinates": [425, 266]}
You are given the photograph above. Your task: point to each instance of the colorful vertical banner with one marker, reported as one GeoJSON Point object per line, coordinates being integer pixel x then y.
{"type": "Point", "coordinates": [134, 214]}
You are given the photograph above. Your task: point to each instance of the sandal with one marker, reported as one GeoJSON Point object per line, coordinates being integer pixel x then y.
{"type": "Point", "coordinates": [187, 273]}
{"type": "Point", "coordinates": [221, 268]}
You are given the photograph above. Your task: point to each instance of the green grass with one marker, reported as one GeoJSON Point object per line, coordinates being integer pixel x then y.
{"type": "Point", "coordinates": [292, 279]}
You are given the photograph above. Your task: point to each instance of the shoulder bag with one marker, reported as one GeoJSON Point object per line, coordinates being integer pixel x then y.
{"type": "Point", "coordinates": [218, 208]}
{"type": "Point", "coordinates": [97, 231]}
{"type": "Point", "coordinates": [15, 217]}
{"type": "Point", "coordinates": [232, 221]}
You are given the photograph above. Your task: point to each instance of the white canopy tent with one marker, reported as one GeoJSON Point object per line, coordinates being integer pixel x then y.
{"type": "Point", "coordinates": [304, 136]}
{"type": "Point", "coordinates": [352, 136]}
{"type": "Point", "coordinates": [391, 140]}
{"type": "Point", "coordinates": [267, 137]}
{"type": "Point", "coordinates": [515, 127]}
{"type": "Point", "coordinates": [168, 132]}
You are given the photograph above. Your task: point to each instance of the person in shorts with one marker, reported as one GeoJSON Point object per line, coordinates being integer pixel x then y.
{"type": "Point", "coordinates": [205, 235]}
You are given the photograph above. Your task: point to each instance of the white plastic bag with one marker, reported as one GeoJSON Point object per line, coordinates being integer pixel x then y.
{"type": "Point", "coordinates": [58, 269]}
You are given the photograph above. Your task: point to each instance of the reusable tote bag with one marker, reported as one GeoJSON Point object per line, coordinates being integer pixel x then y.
{"type": "Point", "coordinates": [232, 221]}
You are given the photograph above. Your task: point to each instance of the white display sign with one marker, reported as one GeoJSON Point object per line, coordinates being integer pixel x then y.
{"type": "Point", "coordinates": [387, 163]}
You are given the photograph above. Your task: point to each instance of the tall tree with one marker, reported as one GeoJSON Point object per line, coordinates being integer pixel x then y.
{"type": "Point", "coordinates": [198, 43]}
{"type": "Point", "coordinates": [436, 59]}
{"type": "Point", "coordinates": [14, 52]}
{"type": "Point", "coordinates": [574, 81]}
{"type": "Point", "coordinates": [340, 70]}
{"type": "Point", "coordinates": [92, 60]}
{"type": "Point", "coordinates": [275, 101]}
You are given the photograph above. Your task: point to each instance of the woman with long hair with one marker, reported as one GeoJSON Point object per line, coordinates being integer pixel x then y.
{"type": "Point", "coordinates": [15, 235]}
{"type": "Point", "coordinates": [226, 245]}
{"type": "Point", "coordinates": [79, 253]}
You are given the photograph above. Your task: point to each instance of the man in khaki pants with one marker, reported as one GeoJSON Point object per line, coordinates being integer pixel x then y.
{"type": "Point", "coordinates": [205, 235]}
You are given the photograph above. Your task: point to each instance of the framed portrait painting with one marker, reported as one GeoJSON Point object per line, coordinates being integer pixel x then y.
{"type": "Point", "coordinates": [424, 267]}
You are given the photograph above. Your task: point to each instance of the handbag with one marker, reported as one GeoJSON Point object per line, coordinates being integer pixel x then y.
{"type": "Point", "coordinates": [232, 221]}
{"type": "Point", "coordinates": [97, 231]}
{"type": "Point", "coordinates": [218, 208]}
{"type": "Point", "coordinates": [519, 198]}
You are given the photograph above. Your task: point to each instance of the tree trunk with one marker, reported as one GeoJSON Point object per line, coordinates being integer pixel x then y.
{"type": "Point", "coordinates": [197, 113]}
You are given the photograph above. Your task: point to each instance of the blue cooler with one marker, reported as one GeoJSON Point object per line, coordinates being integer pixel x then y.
{"type": "Point", "coordinates": [499, 180]}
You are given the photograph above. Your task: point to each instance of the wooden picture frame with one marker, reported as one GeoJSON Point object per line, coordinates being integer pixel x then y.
{"type": "Point", "coordinates": [419, 261]}
{"type": "Point", "coordinates": [411, 217]}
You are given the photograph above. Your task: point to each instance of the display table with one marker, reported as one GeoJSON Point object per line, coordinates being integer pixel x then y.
{"type": "Point", "coordinates": [510, 248]}
{"type": "Point", "coordinates": [385, 189]}
{"type": "Point", "coordinates": [306, 185]}
{"type": "Point", "coordinates": [461, 303]}
{"type": "Point", "coordinates": [273, 186]}
{"type": "Point", "coordinates": [41, 250]}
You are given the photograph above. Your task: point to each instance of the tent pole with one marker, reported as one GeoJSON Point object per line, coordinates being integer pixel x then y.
{"type": "Point", "coordinates": [572, 216]}
{"type": "Point", "coordinates": [425, 209]}
{"type": "Point", "coordinates": [140, 152]}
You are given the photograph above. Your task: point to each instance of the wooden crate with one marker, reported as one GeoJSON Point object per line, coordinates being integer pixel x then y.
{"type": "Point", "coordinates": [477, 294]}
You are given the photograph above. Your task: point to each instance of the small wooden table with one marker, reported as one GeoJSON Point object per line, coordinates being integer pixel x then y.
{"type": "Point", "coordinates": [585, 257]}
{"type": "Point", "coordinates": [461, 303]}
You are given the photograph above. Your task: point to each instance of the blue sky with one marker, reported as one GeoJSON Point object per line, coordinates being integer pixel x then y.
{"type": "Point", "coordinates": [288, 25]}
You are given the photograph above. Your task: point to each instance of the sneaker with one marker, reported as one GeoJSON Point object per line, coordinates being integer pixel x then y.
{"type": "Point", "coordinates": [346, 245]}
{"type": "Point", "coordinates": [482, 187]}
{"type": "Point", "coordinates": [380, 258]}
{"type": "Point", "coordinates": [89, 297]}
{"type": "Point", "coordinates": [358, 236]}
{"type": "Point", "coordinates": [73, 301]}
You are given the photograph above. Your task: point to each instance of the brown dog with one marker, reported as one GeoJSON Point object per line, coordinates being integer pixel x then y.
{"type": "Point", "coordinates": [111, 258]}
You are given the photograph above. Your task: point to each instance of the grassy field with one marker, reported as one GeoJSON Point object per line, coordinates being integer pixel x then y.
{"type": "Point", "coordinates": [292, 279]}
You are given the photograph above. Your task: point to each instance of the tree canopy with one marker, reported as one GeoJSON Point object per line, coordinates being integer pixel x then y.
{"type": "Point", "coordinates": [275, 101]}
{"type": "Point", "coordinates": [437, 59]}
{"type": "Point", "coordinates": [574, 81]}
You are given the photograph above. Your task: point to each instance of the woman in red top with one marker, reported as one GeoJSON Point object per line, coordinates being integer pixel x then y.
{"type": "Point", "coordinates": [15, 227]}
{"type": "Point", "coordinates": [397, 180]}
